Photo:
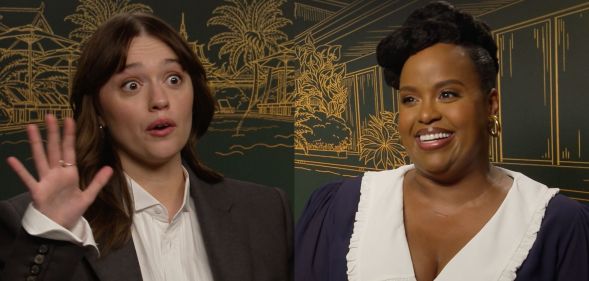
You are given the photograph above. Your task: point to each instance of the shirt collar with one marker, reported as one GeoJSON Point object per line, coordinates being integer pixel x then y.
{"type": "Point", "coordinates": [143, 200]}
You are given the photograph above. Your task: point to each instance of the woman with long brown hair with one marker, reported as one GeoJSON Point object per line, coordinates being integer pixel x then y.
{"type": "Point", "coordinates": [121, 194]}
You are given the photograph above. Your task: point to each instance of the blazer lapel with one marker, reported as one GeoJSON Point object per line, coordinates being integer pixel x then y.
{"type": "Point", "coordinates": [226, 241]}
{"type": "Point", "coordinates": [118, 265]}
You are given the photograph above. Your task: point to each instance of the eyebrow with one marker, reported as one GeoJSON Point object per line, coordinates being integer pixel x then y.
{"type": "Point", "coordinates": [436, 86]}
{"type": "Point", "coordinates": [139, 64]}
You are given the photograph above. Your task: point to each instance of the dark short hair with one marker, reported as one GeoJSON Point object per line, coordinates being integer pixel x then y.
{"type": "Point", "coordinates": [439, 22]}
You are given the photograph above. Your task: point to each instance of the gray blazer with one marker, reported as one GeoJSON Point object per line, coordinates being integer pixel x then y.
{"type": "Point", "coordinates": [246, 228]}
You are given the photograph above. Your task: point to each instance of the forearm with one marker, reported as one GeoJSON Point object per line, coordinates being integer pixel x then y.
{"type": "Point", "coordinates": [23, 255]}
{"type": "Point", "coordinates": [49, 260]}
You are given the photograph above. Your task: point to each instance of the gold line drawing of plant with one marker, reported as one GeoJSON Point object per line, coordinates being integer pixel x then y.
{"type": "Point", "coordinates": [13, 63]}
{"type": "Point", "coordinates": [254, 30]}
{"type": "Point", "coordinates": [321, 99]}
{"type": "Point", "coordinates": [92, 13]}
{"type": "Point", "coordinates": [381, 142]}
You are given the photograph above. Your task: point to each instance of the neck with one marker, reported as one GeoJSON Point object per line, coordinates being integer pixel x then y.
{"type": "Point", "coordinates": [164, 182]}
{"type": "Point", "coordinates": [469, 187]}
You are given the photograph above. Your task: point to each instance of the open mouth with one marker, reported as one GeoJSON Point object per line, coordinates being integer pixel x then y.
{"type": "Point", "coordinates": [161, 126]}
{"type": "Point", "coordinates": [434, 137]}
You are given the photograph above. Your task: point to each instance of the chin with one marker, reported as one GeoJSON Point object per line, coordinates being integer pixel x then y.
{"type": "Point", "coordinates": [434, 167]}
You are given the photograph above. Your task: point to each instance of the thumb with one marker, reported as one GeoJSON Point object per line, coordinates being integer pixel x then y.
{"type": "Point", "coordinates": [98, 182]}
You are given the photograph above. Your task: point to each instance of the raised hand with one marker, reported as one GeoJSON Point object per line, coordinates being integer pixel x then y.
{"type": "Point", "coordinates": [56, 193]}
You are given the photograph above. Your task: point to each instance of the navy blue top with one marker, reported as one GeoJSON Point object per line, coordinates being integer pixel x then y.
{"type": "Point", "coordinates": [322, 237]}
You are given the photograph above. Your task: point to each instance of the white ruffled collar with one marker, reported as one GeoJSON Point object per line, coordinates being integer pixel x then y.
{"type": "Point", "coordinates": [379, 250]}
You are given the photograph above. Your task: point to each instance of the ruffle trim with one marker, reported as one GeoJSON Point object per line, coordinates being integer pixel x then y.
{"type": "Point", "coordinates": [523, 249]}
{"type": "Point", "coordinates": [358, 229]}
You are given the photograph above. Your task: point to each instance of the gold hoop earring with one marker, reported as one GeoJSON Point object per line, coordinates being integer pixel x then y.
{"type": "Point", "coordinates": [494, 125]}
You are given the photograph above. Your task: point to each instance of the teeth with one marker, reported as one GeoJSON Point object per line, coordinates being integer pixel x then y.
{"type": "Point", "coordinates": [430, 137]}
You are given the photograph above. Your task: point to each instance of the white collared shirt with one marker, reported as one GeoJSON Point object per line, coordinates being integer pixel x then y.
{"type": "Point", "coordinates": [166, 251]}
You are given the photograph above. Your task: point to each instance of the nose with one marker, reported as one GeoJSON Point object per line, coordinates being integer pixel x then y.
{"type": "Point", "coordinates": [158, 98]}
{"type": "Point", "coordinates": [428, 112]}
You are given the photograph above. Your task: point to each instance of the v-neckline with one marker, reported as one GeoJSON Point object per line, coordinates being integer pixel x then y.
{"type": "Point", "coordinates": [452, 260]}
{"type": "Point", "coordinates": [378, 248]}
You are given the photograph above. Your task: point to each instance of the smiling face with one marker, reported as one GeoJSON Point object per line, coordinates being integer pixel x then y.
{"type": "Point", "coordinates": [147, 107]}
{"type": "Point", "coordinates": [443, 116]}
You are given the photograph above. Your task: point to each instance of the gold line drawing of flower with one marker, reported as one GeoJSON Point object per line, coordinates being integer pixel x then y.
{"type": "Point", "coordinates": [381, 142]}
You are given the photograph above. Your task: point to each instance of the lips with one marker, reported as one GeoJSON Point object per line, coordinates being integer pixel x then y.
{"type": "Point", "coordinates": [433, 138]}
{"type": "Point", "coordinates": [161, 127]}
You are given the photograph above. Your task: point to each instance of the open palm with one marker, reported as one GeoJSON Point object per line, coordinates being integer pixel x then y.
{"type": "Point", "coordinates": [57, 193]}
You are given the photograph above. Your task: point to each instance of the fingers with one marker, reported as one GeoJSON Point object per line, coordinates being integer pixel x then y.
{"type": "Point", "coordinates": [69, 141]}
{"type": "Point", "coordinates": [37, 150]}
{"type": "Point", "coordinates": [53, 142]}
{"type": "Point", "coordinates": [98, 182]}
{"type": "Point", "coordinates": [22, 173]}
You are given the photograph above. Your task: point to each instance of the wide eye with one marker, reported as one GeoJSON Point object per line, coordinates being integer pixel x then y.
{"type": "Point", "coordinates": [131, 86]}
{"type": "Point", "coordinates": [174, 80]}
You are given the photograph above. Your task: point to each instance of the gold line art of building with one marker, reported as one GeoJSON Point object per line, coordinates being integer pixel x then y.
{"type": "Point", "coordinates": [551, 91]}
{"type": "Point", "coordinates": [38, 65]}
{"type": "Point", "coordinates": [37, 68]}
{"type": "Point", "coordinates": [322, 78]}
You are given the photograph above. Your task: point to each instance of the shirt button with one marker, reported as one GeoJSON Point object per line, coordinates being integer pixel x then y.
{"type": "Point", "coordinates": [39, 259]}
{"type": "Point", "coordinates": [32, 278]}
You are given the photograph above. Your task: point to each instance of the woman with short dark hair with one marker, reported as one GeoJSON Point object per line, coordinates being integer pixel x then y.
{"type": "Point", "coordinates": [451, 215]}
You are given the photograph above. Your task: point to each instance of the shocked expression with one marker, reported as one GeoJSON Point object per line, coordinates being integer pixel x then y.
{"type": "Point", "coordinates": [147, 107]}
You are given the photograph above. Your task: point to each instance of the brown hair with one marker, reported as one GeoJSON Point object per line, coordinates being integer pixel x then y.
{"type": "Point", "coordinates": [104, 55]}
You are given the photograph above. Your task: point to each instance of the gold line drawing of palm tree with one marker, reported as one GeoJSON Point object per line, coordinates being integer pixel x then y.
{"type": "Point", "coordinates": [92, 13]}
{"type": "Point", "coordinates": [381, 142]}
{"type": "Point", "coordinates": [254, 30]}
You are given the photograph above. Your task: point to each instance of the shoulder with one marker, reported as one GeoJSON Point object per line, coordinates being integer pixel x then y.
{"type": "Point", "coordinates": [331, 206]}
{"type": "Point", "coordinates": [564, 214]}
{"type": "Point", "coordinates": [344, 193]}
{"type": "Point", "coordinates": [244, 186]}
{"type": "Point", "coordinates": [323, 232]}
{"type": "Point", "coordinates": [244, 191]}
{"type": "Point", "coordinates": [561, 249]}
{"type": "Point", "coordinates": [254, 200]}
{"type": "Point", "coordinates": [565, 223]}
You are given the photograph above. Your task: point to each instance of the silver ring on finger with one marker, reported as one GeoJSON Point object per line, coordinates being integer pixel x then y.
{"type": "Point", "coordinates": [64, 164]}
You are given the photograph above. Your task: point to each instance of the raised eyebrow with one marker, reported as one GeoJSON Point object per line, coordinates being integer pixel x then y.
{"type": "Point", "coordinates": [139, 64]}
{"type": "Point", "coordinates": [172, 61]}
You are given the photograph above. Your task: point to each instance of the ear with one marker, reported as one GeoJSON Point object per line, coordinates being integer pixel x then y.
{"type": "Point", "coordinates": [493, 102]}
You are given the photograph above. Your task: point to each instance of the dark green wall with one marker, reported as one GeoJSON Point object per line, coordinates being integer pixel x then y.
{"type": "Point", "coordinates": [311, 104]}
